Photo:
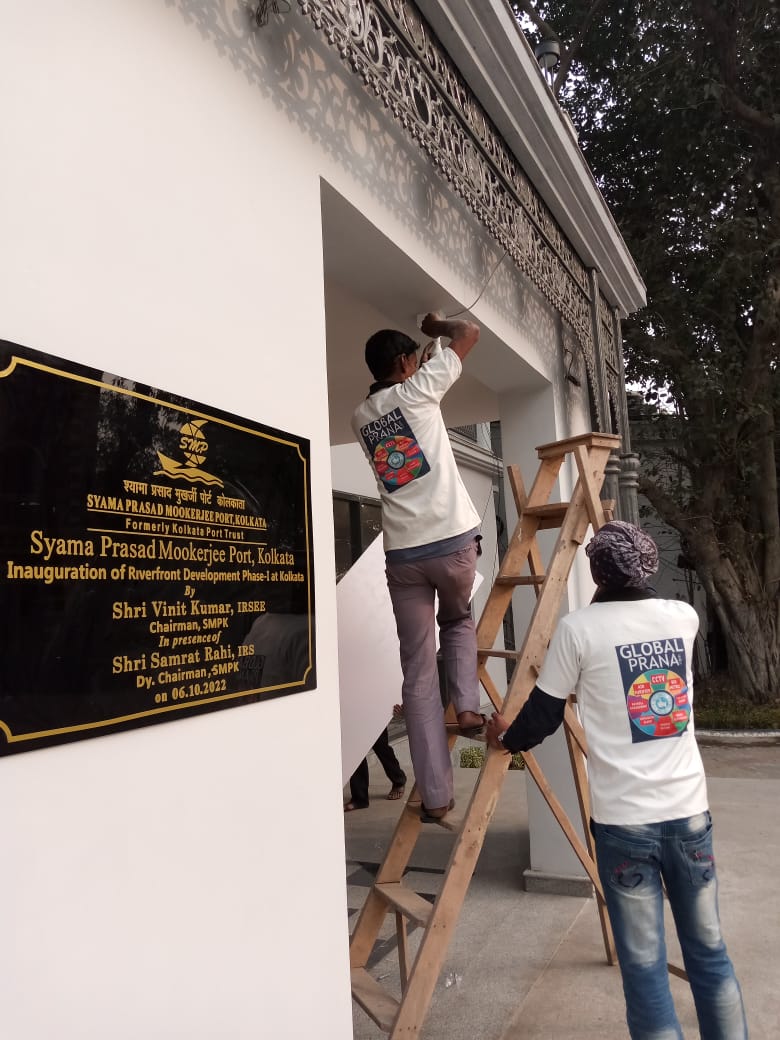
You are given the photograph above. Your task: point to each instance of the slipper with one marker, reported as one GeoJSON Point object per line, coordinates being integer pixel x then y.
{"type": "Point", "coordinates": [426, 817]}
{"type": "Point", "coordinates": [396, 792]}
{"type": "Point", "coordinates": [473, 731]}
{"type": "Point", "coordinates": [351, 807]}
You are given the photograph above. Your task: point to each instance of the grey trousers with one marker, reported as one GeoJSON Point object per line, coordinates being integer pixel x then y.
{"type": "Point", "coordinates": [413, 587]}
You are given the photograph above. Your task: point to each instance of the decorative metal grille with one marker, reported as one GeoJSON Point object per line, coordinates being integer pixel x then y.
{"type": "Point", "coordinates": [392, 49]}
{"type": "Point", "coordinates": [615, 392]}
{"type": "Point", "coordinates": [608, 344]}
{"type": "Point", "coordinates": [570, 348]}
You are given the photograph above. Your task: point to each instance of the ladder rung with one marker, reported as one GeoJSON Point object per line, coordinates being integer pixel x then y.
{"type": "Point", "coordinates": [469, 820]}
{"type": "Point", "coordinates": [451, 821]}
{"type": "Point", "coordinates": [374, 999]}
{"type": "Point", "coordinates": [548, 509]}
{"type": "Point", "coordinates": [409, 903]}
{"type": "Point", "coordinates": [453, 730]}
{"type": "Point", "coordinates": [551, 514]}
{"type": "Point", "coordinates": [556, 449]}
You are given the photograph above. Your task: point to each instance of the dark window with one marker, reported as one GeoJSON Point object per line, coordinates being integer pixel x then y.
{"type": "Point", "coordinates": [356, 522]}
{"type": "Point", "coordinates": [470, 432]}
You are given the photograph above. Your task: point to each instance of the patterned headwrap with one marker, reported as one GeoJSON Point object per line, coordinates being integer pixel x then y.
{"type": "Point", "coordinates": [622, 556]}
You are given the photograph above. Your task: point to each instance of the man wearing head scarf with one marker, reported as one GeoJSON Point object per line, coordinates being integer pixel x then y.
{"type": "Point", "coordinates": [628, 658]}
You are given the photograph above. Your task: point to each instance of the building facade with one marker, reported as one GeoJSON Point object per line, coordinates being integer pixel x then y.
{"type": "Point", "coordinates": [222, 200]}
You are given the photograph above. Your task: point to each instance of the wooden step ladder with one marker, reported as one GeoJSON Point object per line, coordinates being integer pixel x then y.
{"type": "Point", "coordinates": [404, 1017]}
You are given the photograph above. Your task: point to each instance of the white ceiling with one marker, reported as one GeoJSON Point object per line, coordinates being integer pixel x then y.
{"type": "Point", "coordinates": [370, 283]}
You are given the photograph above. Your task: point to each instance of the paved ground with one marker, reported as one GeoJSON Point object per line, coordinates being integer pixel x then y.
{"type": "Point", "coordinates": [531, 967]}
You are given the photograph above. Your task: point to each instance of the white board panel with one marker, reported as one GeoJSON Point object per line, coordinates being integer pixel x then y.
{"type": "Point", "coordinates": [370, 674]}
{"type": "Point", "coordinates": [369, 664]}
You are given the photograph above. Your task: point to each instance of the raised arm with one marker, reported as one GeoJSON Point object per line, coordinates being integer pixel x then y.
{"type": "Point", "coordinates": [462, 334]}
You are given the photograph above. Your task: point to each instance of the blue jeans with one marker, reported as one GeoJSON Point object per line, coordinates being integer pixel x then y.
{"type": "Point", "coordinates": [632, 861]}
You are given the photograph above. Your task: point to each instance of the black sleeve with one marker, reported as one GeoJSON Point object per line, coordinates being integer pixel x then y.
{"type": "Point", "coordinates": [540, 716]}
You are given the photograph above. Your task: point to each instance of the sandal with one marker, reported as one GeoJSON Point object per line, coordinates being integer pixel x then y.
{"type": "Point", "coordinates": [473, 731]}
{"type": "Point", "coordinates": [427, 816]}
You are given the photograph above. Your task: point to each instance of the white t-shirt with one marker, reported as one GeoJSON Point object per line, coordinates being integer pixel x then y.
{"type": "Point", "coordinates": [630, 665]}
{"type": "Point", "coordinates": [405, 440]}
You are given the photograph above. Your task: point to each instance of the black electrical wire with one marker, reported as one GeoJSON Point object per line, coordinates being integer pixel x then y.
{"type": "Point", "coordinates": [262, 10]}
{"type": "Point", "coordinates": [487, 283]}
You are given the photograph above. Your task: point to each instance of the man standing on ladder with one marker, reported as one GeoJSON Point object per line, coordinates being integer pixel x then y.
{"type": "Point", "coordinates": [431, 538]}
{"type": "Point", "coordinates": [628, 657]}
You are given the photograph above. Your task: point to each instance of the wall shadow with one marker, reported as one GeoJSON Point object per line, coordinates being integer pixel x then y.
{"type": "Point", "coordinates": [293, 67]}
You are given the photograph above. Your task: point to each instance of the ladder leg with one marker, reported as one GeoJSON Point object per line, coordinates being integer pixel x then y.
{"type": "Point", "coordinates": [564, 822]}
{"type": "Point", "coordinates": [418, 980]}
{"type": "Point", "coordinates": [374, 908]}
{"type": "Point", "coordinates": [403, 949]}
{"type": "Point", "coordinates": [490, 687]}
{"type": "Point", "coordinates": [522, 547]}
{"type": "Point", "coordinates": [535, 563]}
{"type": "Point", "coordinates": [396, 860]}
{"type": "Point", "coordinates": [433, 945]}
{"type": "Point", "coordinates": [591, 485]}
{"type": "Point", "coordinates": [577, 759]}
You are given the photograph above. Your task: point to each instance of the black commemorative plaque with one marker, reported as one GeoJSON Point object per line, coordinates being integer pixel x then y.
{"type": "Point", "coordinates": [156, 555]}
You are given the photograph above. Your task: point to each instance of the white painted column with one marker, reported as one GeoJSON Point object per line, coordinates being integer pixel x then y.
{"type": "Point", "coordinates": [527, 420]}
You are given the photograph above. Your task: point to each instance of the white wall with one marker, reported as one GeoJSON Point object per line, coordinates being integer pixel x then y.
{"type": "Point", "coordinates": [551, 417]}
{"type": "Point", "coordinates": [161, 219]}
{"type": "Point", "coordinates": [351, 473]}
{"type": "Point", "coordinates": [187, 879]}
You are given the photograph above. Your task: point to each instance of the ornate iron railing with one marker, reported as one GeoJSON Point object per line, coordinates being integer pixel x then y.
{"type": "Point", "coordinates": [390, 46]}
{"type": "Point", "coordinates": [395, 53]}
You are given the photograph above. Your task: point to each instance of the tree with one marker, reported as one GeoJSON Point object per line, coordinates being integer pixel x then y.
{"type": "Point", "coordinates": [678, 114]}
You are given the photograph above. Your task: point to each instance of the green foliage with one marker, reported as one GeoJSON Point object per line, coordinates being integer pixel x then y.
{"type": "Point", "coordinates": [677, 108]}
{"type": "Point", "coordinates": [690, 181]}
{"type": "Point", "coordinates": [720, 704]}
{"type": "Point", "coordinates": [738, 715]}
{"type": "Point", "coordinates": [474, 758]}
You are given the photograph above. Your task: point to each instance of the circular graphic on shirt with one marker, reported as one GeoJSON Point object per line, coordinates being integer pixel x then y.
{"type": "Point", "coordinates": [661, 703]}
{"type": "Point", "coordinates": [658, 703]}
{"type": "Point", "coordinates": [398, 460]}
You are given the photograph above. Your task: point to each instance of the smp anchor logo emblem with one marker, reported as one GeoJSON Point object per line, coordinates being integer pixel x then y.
{"type": "Point", "coordinates": [194, 447]}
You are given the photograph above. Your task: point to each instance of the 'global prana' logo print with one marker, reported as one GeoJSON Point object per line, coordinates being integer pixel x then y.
{"type": "Point", "coordinates": [398, 460]}
{"type": "Point", "coordinates": [658, 703]}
